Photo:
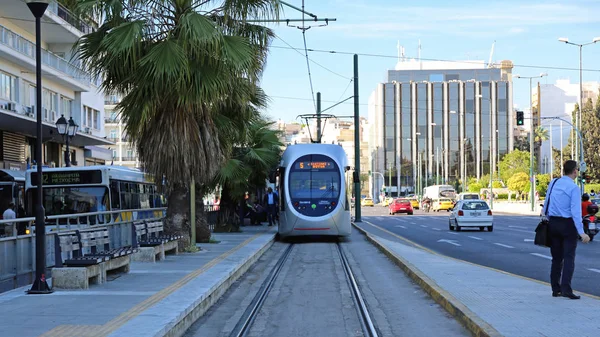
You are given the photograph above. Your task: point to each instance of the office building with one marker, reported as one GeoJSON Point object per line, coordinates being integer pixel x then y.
{"type": "Point", "coordinates": [439, 122]}
{"type": "Point", "coordinates": [68, 89]}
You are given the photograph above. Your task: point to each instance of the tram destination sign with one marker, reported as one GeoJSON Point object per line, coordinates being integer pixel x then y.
{"type": "Point", "coordinates": [68, 178]}
{"type": "Point", "coordinates": [312, 165]}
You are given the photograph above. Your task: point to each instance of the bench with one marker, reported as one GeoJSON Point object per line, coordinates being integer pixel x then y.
{"type": "Point", "coordinates": [79, 268]}
{"type": "Point", "coordinates": [152, 244]}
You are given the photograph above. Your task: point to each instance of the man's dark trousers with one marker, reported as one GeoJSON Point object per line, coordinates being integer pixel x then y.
{"type": "Point", "coordinates": [564, 243]}
{"type": "Point", "coordinates": [271, 213]}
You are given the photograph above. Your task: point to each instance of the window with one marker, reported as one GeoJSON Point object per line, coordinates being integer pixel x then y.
{"type": "Point", "coordinates": [66, 106]}
{"type": "Point", "coordinates": [71, 200]}
{"type": "Point", "coordinates": [7, 87]}
{"type": "Point", "coordinates": [27, 94]}
{"type": "Point", "coordinates": [114, 152]}
{"type": "Point", "coordinates": [113, 135]}
{"type": "Point", "coordinates": [475, 206]}
{"type": "Point", "coordinates": [90, 117]}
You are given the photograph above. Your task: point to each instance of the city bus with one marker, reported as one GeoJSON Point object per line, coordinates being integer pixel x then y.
{"type": "Point", "coordinates": [12, 189]}
{"type": "Point", "coordinates": [74, 190]}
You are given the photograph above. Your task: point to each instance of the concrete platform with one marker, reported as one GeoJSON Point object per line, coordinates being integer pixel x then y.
{"type": "Point", "coordinates": [490, 302]}
{"type": "Point", "coordinates": [153, 299]}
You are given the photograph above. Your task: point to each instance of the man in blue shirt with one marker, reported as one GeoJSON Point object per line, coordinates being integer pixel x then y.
{"type": "Point", "coordinates": [563, 202]}
{"type": "Point", "coordinates": [271, 200]}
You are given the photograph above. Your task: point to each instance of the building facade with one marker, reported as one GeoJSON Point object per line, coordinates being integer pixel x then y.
{"type": "Point", "coordinates": [439, 122]}
{"type": "Point", "coordinates": [68, 90]}
{"type": "Point", "coordinates": [123, 153]}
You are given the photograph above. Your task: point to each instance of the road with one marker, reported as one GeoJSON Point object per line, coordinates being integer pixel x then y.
{"type": "Point", "coordinates": [311, 296]}
{"type": "Point", "coordinates": [509, 247]}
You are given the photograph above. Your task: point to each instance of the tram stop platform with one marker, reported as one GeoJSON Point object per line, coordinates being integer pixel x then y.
{"type": "Point", "coordinates": [153, 299]}
{"type": "Point", "coordinates": [487, 301]}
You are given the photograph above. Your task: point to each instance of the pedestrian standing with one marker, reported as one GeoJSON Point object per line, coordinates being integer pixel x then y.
{"type": "Point", "coordinates": [271, 200]}
{"type": "Point", "coordinates": [565, 222]}
{"type": "Point", "coordinates": [9, 214]}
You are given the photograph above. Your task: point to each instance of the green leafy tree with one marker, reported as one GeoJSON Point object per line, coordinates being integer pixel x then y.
{"type": "Point", "coordinates": [541, 135]}
{"type": "Point", "coordinates": [542, 183]}
{"type": "Point", "coordinates": [514, 162]}
{"type": "Point", "coordinates": [178, 64]}
{"type": "Point", "coordinates": [475, 187]}
{"type": "Point", "coordinates": [256, 153]}
{"type": "Point", "coordinates": [521, 143]}
{"type": "Point", "coordinates": [590, 130]}
{"type": "Point", "coordinates": [518, 182]}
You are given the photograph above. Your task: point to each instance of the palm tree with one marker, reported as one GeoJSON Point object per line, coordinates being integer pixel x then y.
{"type": "Point", "coordinates": [175, 62]}
{"type": "Point", "coordinates": [541, 134]}
{"type": "Point", "coordinates": [256, 152]}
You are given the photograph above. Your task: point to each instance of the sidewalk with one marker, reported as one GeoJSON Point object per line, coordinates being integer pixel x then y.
{"type": "Point", "coordinates": [153, 299]}
{"type": "Point", "coordinates": [490, 302]}
{"type": "Point", "coordinates": [523, 208]}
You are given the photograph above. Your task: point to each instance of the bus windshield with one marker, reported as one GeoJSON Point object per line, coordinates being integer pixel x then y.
{"type": "Point", "coordinates": [70, 200]}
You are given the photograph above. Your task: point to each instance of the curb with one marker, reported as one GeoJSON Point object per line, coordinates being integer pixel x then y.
{"type": "Point", "coordinates": [183, 315]}
{"type": "Point", "coordinates": [477, 326]}
{"type": "Point", "coordinates": [193, 313]}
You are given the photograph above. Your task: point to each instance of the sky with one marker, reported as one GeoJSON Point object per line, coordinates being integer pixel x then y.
{"type": "Point", "coordinates": [525, 32]}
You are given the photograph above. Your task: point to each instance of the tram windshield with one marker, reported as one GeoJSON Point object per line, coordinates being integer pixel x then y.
{"type": "Point", "coordinates": [315, 185]}
{"type": "Point", "coordinates": [71, 200]}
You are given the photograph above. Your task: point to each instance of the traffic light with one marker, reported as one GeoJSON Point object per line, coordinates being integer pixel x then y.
{"type": "Point", "coordinates": [520, 118]}
{"type": "Point", "coordinates": [585, 178]}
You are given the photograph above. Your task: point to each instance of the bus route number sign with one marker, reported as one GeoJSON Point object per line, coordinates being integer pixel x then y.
{"type": "Point", "coordinates": [68, 178]}
{"type": "Point", "coordinates": [311, 165]}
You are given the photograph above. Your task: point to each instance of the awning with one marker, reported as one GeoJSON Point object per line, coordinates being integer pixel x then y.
{"type": "Point", "coordinates": [97, 153]}
{"type": "Point", "coordinates": [23, 124]}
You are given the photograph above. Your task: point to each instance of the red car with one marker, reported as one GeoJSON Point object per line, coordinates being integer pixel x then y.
{"type": "Point", "coordinates": [400, 206]}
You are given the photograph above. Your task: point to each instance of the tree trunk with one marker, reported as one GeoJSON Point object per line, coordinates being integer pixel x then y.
{"type": "Point", "coordinates": [203, 233]}
{"type": "Point", "coordinates": [227, 219]}
{"type": "Point", "coordinates": [177, 221]}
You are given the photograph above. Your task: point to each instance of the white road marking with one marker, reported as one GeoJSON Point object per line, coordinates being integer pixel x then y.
{"type": "Point", "coordinates": [518, 227]}
{"type": "Point", "coordinates": [423, 226]}
{"type": "Point", "coordinates": [503, 245]}
{"type": "Point", "coordinates": [452, 242]}
{"type": "Point", "coordinates": [452, 233]}
{"type": "Point", "coordinates": [528, 240]}
{"type": "Point", "coordinates": [401, 220]}
{"type": "Point", "coordinates": [594, 270]}
{"type": "Point", "coordinates": [476, 238]}
{"type": "Point", "coordinates": [542, 255]}
{"type": "Point", "coordinates": [436, 229]}
{"type": "Point", "coordinates": [413, 223]}
{"type": "Point", "coordinates": [400, 226]}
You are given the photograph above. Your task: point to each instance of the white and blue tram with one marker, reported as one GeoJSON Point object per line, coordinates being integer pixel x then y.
{"type": "Point", "coordinates": [73, 190]}
{"type": "Point", "coordinates": [314, 198]}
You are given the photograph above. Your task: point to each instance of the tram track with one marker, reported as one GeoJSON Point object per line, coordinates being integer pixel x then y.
{"type": "Point", "coordinates": [245, 323]}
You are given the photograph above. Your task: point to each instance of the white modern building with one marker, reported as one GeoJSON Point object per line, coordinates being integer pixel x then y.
{"type": "Point", "coordinates": [68, 90]}
{"type": "Point", "coordinates": [559, 100]}
{"type": "Point", "coordinates": [439, 122]}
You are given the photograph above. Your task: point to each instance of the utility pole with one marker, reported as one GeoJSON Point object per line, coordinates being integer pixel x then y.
{"type": "Point", "coordinates": [318, 117]}
{"type": "Point", "coordinates": [357, 215]}
{"type": "Point", "coordinates": [390, 179]}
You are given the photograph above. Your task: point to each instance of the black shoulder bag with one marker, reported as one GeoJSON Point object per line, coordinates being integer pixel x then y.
{"type": "Point", "coordinates": [542, 232]}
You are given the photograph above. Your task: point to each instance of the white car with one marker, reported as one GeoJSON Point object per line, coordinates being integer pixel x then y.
{"type": "Point", "coordinates": [471, 213]}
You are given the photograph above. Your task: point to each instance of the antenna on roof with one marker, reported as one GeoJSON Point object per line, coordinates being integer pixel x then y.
{"type": "Point", "coordinates": [490, 64]}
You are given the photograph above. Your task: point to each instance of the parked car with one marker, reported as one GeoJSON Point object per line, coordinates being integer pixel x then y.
{"type": "Point", "coordinates": [400, 206]}
{"type": "Point", "coordinates": [442, 205]}
{"type": "Point", "coordinates": [367, 202]}
{"type": "Point", "coordinates": [471, 213]}
{"type": "Point", "coordinates": [387, 201]}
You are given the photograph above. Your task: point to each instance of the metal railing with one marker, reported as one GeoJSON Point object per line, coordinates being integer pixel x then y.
{"type": "Point", "coordinates": [111, 120]}
{"type": "Point", "coordinates": [25, 47]}
{"type": "Point", "coordinates": [17, 252]}
{"type": "Point", "coordinates": [70, 18]}
{"type": "Point", "coordinates": [129, 158]}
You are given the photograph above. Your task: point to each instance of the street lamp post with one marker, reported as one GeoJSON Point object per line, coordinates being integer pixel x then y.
{"type": "Point", "coordinates": [578, 115]}
{"type": "Point", "coordinates": [531, 137]}
{"type": "Point", "coordinates": [68, 130]}
{"type": "Point", "coordinates": [40, 286]}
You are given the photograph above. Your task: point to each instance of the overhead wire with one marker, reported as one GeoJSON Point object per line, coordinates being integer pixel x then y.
{"type": "Point", "coordinates": [441, 60]}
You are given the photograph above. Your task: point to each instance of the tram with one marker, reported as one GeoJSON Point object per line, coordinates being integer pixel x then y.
{"type": "Point", "coordinates": [73, 190]}
{"type": "Point", "coordinates": [314, 198]}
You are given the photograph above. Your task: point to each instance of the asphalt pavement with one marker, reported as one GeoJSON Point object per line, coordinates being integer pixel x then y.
{"type": "Point", "coordinates": [508, 248]}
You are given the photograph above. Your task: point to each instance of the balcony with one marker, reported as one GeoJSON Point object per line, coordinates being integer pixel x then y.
{"type": "Point", "coordinates": [111, 120]}
{"type": "Point", "coordinates": [128, 158]}
{"type": "Point", "coordinates": [24, 47]}
{"type": "Point", "coordinates": [63, 13]}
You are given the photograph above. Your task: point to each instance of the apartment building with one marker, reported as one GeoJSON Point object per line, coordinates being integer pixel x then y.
{"type": "Point", "coordinates": [68, 90]}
